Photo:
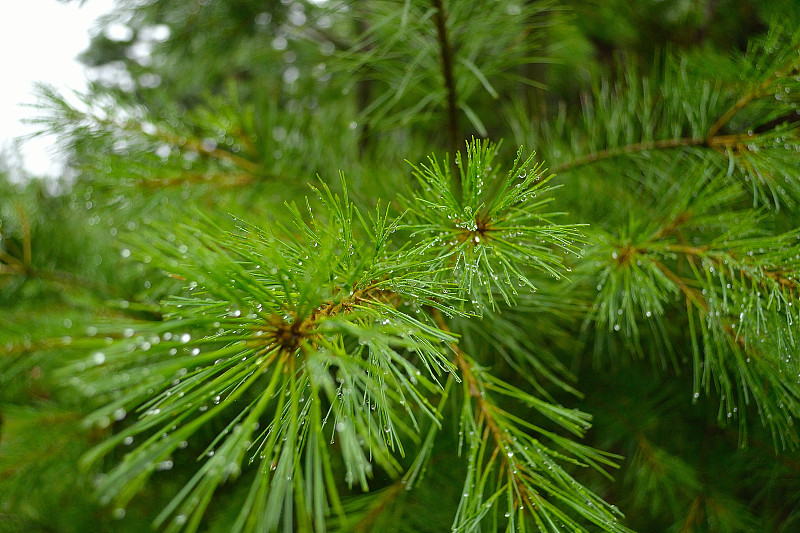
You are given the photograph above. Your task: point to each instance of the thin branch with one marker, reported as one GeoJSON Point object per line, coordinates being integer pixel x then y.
{"type": "Point", "coordinates": [363, 88]}
{"type": "Point", "coordinates": [485, 413]}
{"type": "Point", "coordinates": [748, 97]}
{"type": "Point", "coordinates": [718, 143]}
{"type": "Point", "coordinates": [695, 296]}
{"type": "Point", "coordinates": [695, 515]}
{"type": "Point", "coordinates": [703, 252]}
{"type": "Point", "coordinates": [59, 276]}
{"type": "Point", "coordinates": [321, 35]}
{"type": "Point", "coordinates": [215, 152]}
{"type": "Point", "coordinates": [688, 292]}
{"type": "Point", "coordinates": [687, 250]}
{"type": "Point", "coordinates": [217, 179]}
{"type": "Point", "coordinates": [711, 139]}
{"type": "Point", "coordinates": [10, 260]}
{"type": "Point", "coordinates": [366, 523]}
{"type": "Point", "coordinates": [26, 234]}
{"type": "Point", "coordinates": [191, 144]}
{"type": "Point", "coordinates": [446, 51]}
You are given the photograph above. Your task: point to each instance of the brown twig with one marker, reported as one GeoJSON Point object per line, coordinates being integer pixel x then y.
{"type": "Point", "coordinates": [58, 276]}
{"type": "Point", "coordinates": [366, 523]}
{"type": "Point", "coordinates": [711, 139]}
{"type": "Point", "coordinates": [485, 411]}
{"type": "Point", "coordinates": [26, 235]}
{"type": "Point", "coordinates": [220, 179]}
{"type": "Point", "coordinates": [715, 142]}
{"type": "Point", "coordinates": [215, 152]}
{"type": "Point", "coordinates": [748, 97]}
{"type": "Point", "coordinates": [446, 52]}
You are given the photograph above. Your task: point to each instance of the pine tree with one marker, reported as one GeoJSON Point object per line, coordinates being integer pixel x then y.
{"type": "Point", "coordinates": [411, 266]}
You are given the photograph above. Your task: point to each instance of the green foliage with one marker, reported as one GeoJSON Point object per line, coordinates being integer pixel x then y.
{"type": "Point", "coordinates": [326, 329]}
{"type": "Point", "coordinates": [495, 229]}
{"type": "Point", "coordinates": [598, 336]}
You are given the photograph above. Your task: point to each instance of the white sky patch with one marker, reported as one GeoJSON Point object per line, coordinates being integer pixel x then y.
{"type": "Point", "coordinates": [39, 42]}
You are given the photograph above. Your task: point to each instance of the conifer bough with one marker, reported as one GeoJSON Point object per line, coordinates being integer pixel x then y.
{"type": "Point", "coordinates": [322, 351]}
{"type": "Point", "coordinates": [412, 366]}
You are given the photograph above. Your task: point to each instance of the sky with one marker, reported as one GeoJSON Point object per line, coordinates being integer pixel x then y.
{"type": "Point", "coordinates": [40, 41]}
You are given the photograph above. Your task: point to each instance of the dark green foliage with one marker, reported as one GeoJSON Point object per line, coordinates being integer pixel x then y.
{"type": "Point", "coordinates": [597, 331]}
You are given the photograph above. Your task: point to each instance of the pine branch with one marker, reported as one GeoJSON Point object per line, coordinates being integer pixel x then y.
{"type": "Point", "coordinates": [510, 459]}
{"type": "Point", "coordinates": [495, 227]}
{"type": "Point", "coordinates": [26, 235]}
{"type": "Point", "coordinates": [301, 327]}
{"type": "Point", "coordinates": [14, 265]}
{"type": "Point", "coordinates": [633, 119]}
{"type": "Point", "coordinates": [727, 277]}
{"type": "Point", "coordinates": [335, 368]}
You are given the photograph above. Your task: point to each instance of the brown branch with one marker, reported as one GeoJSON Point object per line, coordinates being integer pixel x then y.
{"type": "Point", "coordinates": [321, 35]}
{"type": "Point", "coordinates": [696, 297]}
{"type": "Point", "coordinates": [687, 250]}
{"type": "Point", "coordinates": [191, 144]}
{"type": "Point", "coordinates": [220, 179]}
{"type": "Point", "coordinates": [368, 520]}
{"type": "Point", "coordinates": [777, 276]}
{"type": "Point", "coordinates": [285, 335]}
{"type": "Point", "coordinates": [10, 260]}
{"type": "Point", "coordinates": [673, 225]}
{"type": "Point", "coordinates": [644, 446]}
{"type": "Point", "coordinates": [30, 347]}
{"type": "Point", "coordinates": [691, 294]}
{"type": "Point", "coordinates": [58, 276]}
{"type": "Point", "coordinates": [711, 139]}
{"type": "Point", "coordinates": [748, 97]}
{"type": "Point", "coordinates": [695, 516]}
{"type": "Point", "coordinates": [215, 152]}
{"type": "Point", "coordinates": [780, 279]}
{"type": "Point", "coordinates": [629, 149]}
{"type": "Point", "coordinates": [26, 234]}
{"type": "Point", "coordinates": [719, 142]}
{"type": "Point", "coordinates": [363, 89]}
{"type": "Point", "coordinates": [485, 413]}
{"type": "Point", "coordinates": [446, 51]}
